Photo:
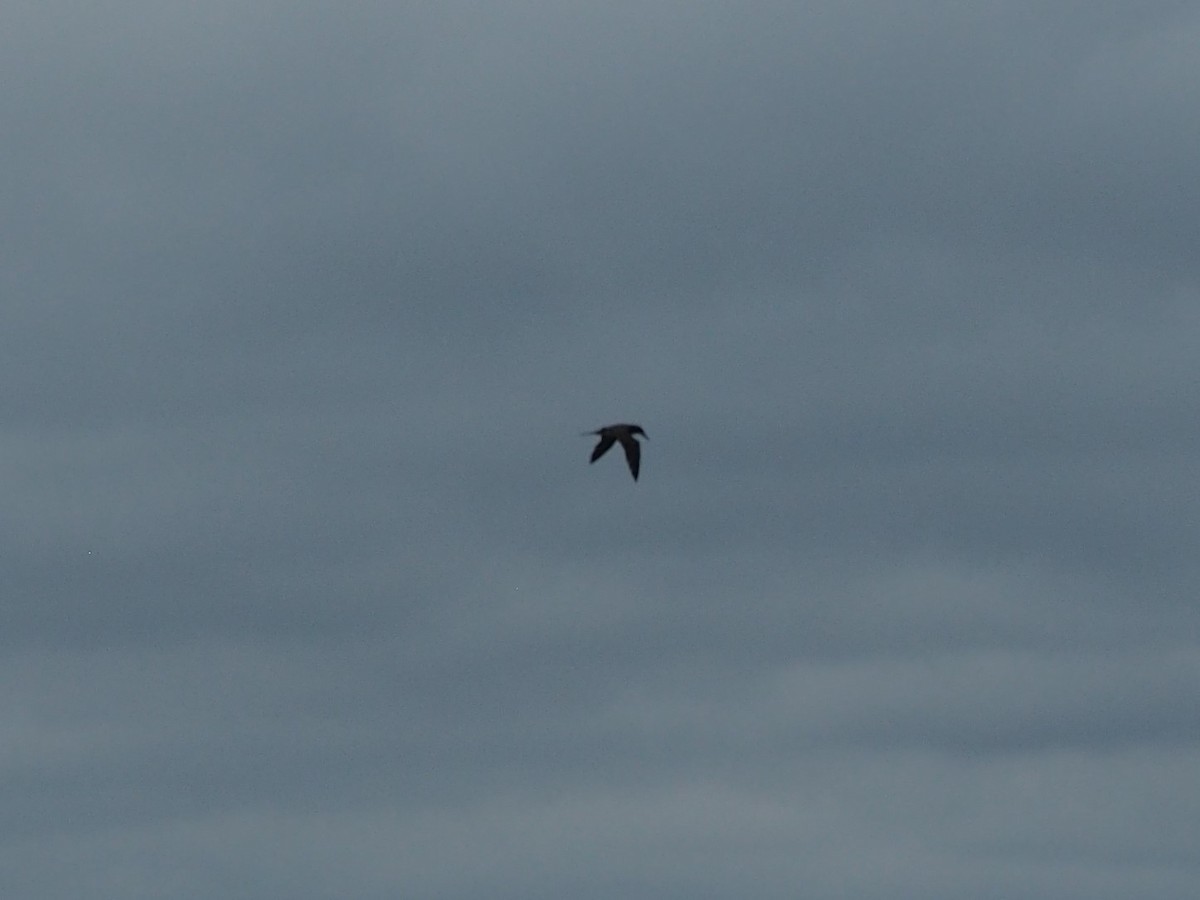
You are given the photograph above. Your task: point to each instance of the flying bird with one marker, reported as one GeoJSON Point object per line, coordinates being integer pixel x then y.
{"type": "Point", "coordinates": [611, 434]}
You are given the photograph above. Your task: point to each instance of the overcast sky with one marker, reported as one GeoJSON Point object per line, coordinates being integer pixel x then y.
{"type": "Point", "coordinates": [307, 589]}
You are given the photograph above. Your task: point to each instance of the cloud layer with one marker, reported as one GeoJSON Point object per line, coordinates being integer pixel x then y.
{"type": "Point", "coordinates": [309, 589]}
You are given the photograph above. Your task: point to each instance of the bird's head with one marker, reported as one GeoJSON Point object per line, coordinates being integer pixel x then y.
{"type": "Point", "coordinates": [637, 429]}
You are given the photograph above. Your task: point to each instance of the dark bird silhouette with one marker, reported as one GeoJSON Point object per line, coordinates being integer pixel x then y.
{"type": "Point", "coordinates": [611, 434]}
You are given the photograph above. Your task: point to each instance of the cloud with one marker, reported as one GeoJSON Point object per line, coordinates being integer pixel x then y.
{"type": "Point", "coordinates": [309, 587]}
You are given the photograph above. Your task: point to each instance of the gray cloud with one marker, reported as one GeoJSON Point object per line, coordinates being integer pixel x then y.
{"type": "Point", "coordinates": [310, 590]}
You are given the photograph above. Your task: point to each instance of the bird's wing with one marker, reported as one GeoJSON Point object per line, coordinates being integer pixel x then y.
{"type": "Point", "coordinates": [633, 455]}
{"type": "Point", "coordinates": [603, 447]}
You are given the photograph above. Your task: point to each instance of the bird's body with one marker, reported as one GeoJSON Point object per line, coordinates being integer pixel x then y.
{"type": "Point", "coordinates": [624, 434]}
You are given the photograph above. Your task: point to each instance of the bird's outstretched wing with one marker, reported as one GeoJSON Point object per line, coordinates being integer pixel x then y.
{"type": "Point", "coordinates": [633, 455]}
{"type": "Point", "coordinates": [603, 447]}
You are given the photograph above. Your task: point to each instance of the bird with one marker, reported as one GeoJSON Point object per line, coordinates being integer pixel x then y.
{"type": "Point", "coordinates": [611, 434]}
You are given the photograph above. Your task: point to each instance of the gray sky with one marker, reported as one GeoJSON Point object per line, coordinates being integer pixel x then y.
{"type": "Point", "coordinates": [308, 588]}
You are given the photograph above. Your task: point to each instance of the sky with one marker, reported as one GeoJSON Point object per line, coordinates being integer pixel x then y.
{"type": "Point", "coordinates": [308, 589]}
